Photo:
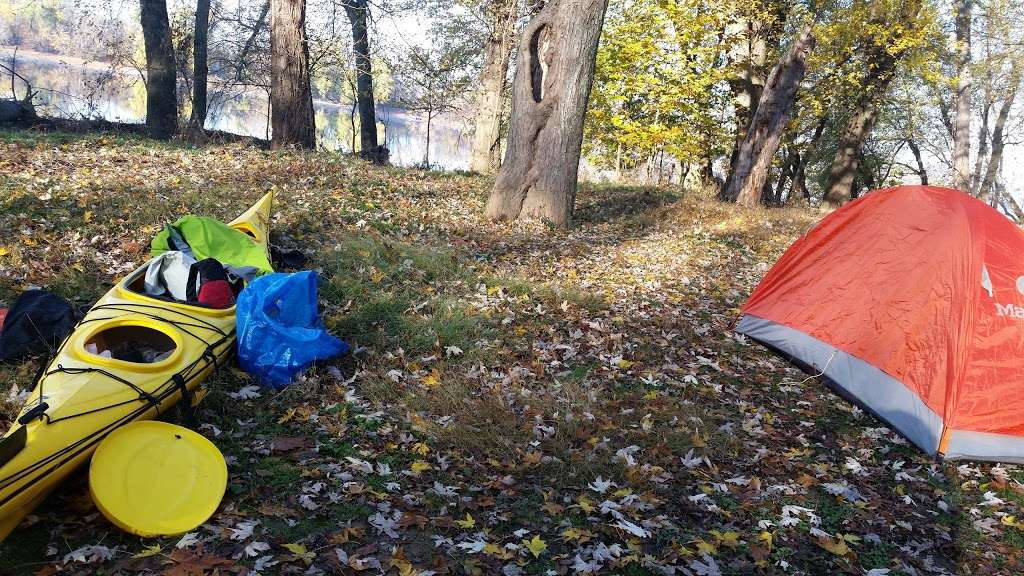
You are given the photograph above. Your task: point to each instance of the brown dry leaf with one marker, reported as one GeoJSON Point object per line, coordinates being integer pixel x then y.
{"type": "Point", "coordinates": [188, 563]}
{"type": "Point", "coordinates": [289, 443]}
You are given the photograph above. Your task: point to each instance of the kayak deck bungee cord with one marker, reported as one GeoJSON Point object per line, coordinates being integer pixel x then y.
{"type": "Point", "coordinates": [82, 395]}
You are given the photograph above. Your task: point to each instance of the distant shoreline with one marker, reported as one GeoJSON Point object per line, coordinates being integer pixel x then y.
{"type": "Point", "coordinates": [448, 120]}
{"type": "Point", "coordinates": [8, 52]}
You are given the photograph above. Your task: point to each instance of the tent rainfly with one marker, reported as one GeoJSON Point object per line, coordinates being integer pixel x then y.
{"type": "Point", "coordinates": [909, 302]}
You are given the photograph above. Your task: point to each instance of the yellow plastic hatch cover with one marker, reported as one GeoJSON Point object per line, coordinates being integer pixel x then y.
{"type": "Point", "coordinates": [152, 478]}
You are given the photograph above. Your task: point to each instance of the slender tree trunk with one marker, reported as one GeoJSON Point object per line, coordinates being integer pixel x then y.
{"type": "Point", "coordinates": [358, 11]}
{"type": "Point", "coordinates": [426, 150]}
{"type": "Point", "coordinates": [994, 162]}
{"type": "Point", "coordinates": [979, 160]}
{"type": "Point", "coordinates": [1007, 200]}
{"type": "Point", "coordinates": [746, 184]}
{"type": "Point", "coordinates": [352, 121]}
{"type": "Point", "coordinates": [920, 163]}
{"type": "Point", "coordinates": [787, 166]}
{"type": "Point", "coordinates": [490, 100]}
{"type": "Point", "coordinates": [796, 175]}
{"type": "Point", "coordinates": [161, 77]}
{"type": "Point", "coordinates": [261, 21]}
{"type": "Point", "coordinates": [291, 100]}
{"type": "Point", "coordinates": [549, 99]}
{"type": "Point", "coordinates": [200, 68]}
{"type": "Point", "coordinates": [962, 120]}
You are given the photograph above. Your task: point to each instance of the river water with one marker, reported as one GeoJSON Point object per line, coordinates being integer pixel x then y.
{"type": "Point", "coordinates": [74, 89]}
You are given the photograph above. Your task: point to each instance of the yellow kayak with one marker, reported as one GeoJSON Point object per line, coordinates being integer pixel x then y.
{"type": "Point", "coordinates": [83, 396]}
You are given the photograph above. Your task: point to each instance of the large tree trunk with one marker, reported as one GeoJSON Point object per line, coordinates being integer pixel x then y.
{"type": "Point", "coordinates": [291, 101]}
{"type": "Point", "coordinates": [882, 63]}
{"type": "Point", "coordinates": [487, 133]}
{"type": "Point", "coordinates": [200, 68]}
{"type": "Point", "coordinates": [161, 78]}
{"type": "Point", "coordinates": [962, 120]}
{"type": "Point", "coordinates": [746, 183]}
{"type": "Point", "coordinates": [549, 100]}
{"type": "Point", "coordinates": [357, 11]}
{"type": "Point", "coordinates": [750, 36]}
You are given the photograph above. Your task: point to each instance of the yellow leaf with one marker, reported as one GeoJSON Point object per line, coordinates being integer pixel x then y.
{"type": "Point", "coordinates": [467, 523]}
{"type": "Point", "coordinates": [421, 448]}
{"type": "Point", "coordinates": [87, 216]}
{"type": "Point", "coordinates": [536, 546]}
{"type": "Point", "coordinates": [705, 547]}
{"type": "Point", "coordinates": [301, 553]}
{"type": "Point", "coordinates": [625, 364]}
{"type": "Point", "coordinates": [3, 251]}
{"type": "Point", "coordinates": [729, 538]}
{"type": "Point", "coordinates": [418, 467]}
{"type": "Point", "coordinates": [287, 416]}
{"type": "Point", "coordinates": [576, 535]}
{"type": "Point", "coordinates": [836, 546]}
{"type": "Point", "coordinates": [767, 537]}
{"type": "Point", "coordinates": [1009, 520]}
{"type": "Point", "coordinates": [491, 549]}
{"type": "Point", "coordinates": [149, 551]}
{"type": "Point", "coordinates": [431, 379]}
{"type": "Point", "coordinates": [585, 505]}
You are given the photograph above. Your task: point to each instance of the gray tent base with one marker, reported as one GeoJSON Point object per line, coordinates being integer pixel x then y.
{"type": "Point", "coordinates": [885, 397]}
{"type": "Point", "coordinates": [854, 379]}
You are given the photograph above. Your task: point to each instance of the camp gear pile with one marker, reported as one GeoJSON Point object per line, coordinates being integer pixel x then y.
{"type": "Point", "coordinates": [203, 238]}
{"type": "Point", "coordinates": [36, 323]}
{"type": "Point", "coordinates": [910, 302]}
{"type": "Point", "coordinates": [279, 329]}
{"type": "Point", "coordinates": [203, 261]}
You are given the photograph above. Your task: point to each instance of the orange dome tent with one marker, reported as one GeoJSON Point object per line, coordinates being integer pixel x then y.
{"type": "Point", "coordinates": [910, 302]}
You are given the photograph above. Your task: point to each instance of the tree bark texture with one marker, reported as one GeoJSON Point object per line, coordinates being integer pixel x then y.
{"type": "Point", "coordinates": [962, 119]}
{"type": "Point", "coordinates": [161, 77]}
{"type": "Point", "coordinates": [358, 11]}
{"type": "Point", "coordinates": [291, 101]}
{"type": "Point", "coordinates": [750, 173]}
{"type": "Point", "coordinates": [487, 133]}
{"type": "Point", "coordinates": [554, 74]}
{"type": "Point", "coordinates": [200, 66]}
